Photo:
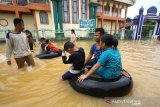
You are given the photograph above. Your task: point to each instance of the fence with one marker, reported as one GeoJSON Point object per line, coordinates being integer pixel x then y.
{"type": "Point", "coordinates": [80, 33]}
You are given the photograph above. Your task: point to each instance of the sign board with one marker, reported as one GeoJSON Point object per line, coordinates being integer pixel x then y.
{"type": "Point", "coordinates": [87, 23]}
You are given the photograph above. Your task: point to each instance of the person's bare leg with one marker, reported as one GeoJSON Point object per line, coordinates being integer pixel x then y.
{"type": "Point", "coordinates": [30, 61]}
{"type": "Point", "coordinates": [20, 62]}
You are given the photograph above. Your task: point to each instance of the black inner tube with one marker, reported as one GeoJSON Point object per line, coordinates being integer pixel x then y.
{"type": "Point", "coordinates": [48, 56]}
{"type": "Point", "coordinates": [100, 87]}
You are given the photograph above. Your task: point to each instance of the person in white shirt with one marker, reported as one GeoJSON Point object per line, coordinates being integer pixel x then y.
{"type": "Point", "coordinates": [17, 43]}
{"type": "Point", "coordinates": [73, 37]}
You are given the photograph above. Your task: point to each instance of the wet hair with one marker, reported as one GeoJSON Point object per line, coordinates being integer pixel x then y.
{"type": "Point", "coordinates": [68, 45]}
{"type": "Point", "coordinates": [101, 30]}
{"type": "Point", "coordinates": [17, 21]}
{"type": "Point", "coordinates": [72, 30]}
{"type": "Point", "coordinates": [47, 41]}
{"type": "Point", "coordinates": [109, 40]}
{"type": "Point", "coordinates": [27, 31]}
{"type": "Point", "coordinates": [42, 39]}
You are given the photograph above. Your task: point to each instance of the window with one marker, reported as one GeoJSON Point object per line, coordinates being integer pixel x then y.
{"type": "Point", "coordinates": [43, 17]}
{"type": "Point", "coordinates": [84, 9]}
{"type": "Point", "coordinates": [9, 2]}
{"type": "Point", "coordinates": [65, 5]}
{"type": "Point", "coordinates": [39, 1]}
{"type": "Point", "coordinates": [107, 10]}
{"type": "Point", "coordinates": [22, 2]}
{"type": "Point", "coordinates": [75, 11]}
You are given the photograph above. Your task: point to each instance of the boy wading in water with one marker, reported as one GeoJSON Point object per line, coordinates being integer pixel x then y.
{"type": "Point", "coordinates": [17, 43]}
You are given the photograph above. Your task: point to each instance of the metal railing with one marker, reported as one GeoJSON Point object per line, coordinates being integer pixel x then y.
{"type": "Point", "coordinates": [80, 33]}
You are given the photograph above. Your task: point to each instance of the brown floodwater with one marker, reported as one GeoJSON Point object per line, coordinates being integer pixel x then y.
{"type": "Point", "coordinates": [42, 87]}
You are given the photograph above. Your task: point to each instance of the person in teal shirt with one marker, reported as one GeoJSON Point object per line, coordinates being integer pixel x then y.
{"type": "Point", "coordinates": [109, 64]}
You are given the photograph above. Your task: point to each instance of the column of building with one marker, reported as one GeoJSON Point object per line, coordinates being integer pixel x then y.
{"type": "Point", "coordinates": [126, 9]}
{"type": "Point", "coordinates": [16, 11]}
{"type": "Point", "coordinates": [70, 10]}
{"type": "Point", "coordinates": [57, 12]}
{"type": "Point", "coordinates": [111, 6]}
{"type": "Point", "coordinates": [117, 11]}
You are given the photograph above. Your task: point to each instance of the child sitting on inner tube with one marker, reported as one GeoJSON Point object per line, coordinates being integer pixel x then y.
{"type": "Point", "coordinates": [42, 48]}
{"type": "Point", "coordinates": [76, 58]}
{"type": "Point", "coordinates": [50, 48]}
{"type": "Point", "coordinates": [109, 64]}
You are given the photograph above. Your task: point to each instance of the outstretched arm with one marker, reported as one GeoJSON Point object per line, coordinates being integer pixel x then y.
{"type": "Point", "coordinates": [90, 72]}
{"type": "Point", "coordinates": [88, 58]}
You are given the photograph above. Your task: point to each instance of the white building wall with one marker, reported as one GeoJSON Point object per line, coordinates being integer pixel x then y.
{"type": "Point", "coordinates": [107, 25]}
{"type": "Point", "coordinates": [45, 30]}
{"type": "Point", "coordinates": [29, 22]}
{"type": "Point", "coordinates": [9, 17]}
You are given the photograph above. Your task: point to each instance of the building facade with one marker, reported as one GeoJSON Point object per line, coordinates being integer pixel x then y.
{"type": "Point", "coordinates": [35, 13]}
{"type": "Point", "coordinates": [55, 18]}
{"type": "Point", "coordinates": [111, 14]}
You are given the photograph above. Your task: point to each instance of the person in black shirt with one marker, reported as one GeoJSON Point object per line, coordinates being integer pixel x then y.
{"type": "Point", "coordinates": [76, 58]}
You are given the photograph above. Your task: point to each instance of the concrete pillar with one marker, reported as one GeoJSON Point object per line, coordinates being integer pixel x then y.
{"type": "Point", "coordinates": [90, 12]}
{"type": "Point", "coordinates": [87, 9]}
{"type": "Point", "coordinates": [54, 3]}
{"type": "Point", "coordinates": [134, 31]}
{"type": "Point", "coordinates": [126, 9]}
{"type": "Point", "coordinates": [111, 6]}
{"type": "Point", "coordinates": [35, 24]}
{"type": "Point", "coordinates": [93, 11]}
{"type": "Point", "coordinates": [80, 11]}
{"type": "Point", "coordinates": [60, 15]}
{"type": "Point", "coordinates": [70, 10]}
{"type": "Point", "coordinates": [27, 1]}
{"type": "Point", "coordinates": [119, 10]}
{"type": "Point", "coordinates": [57, 12]}
{"type": "Point", "coordinates": [17, 14]}
{"type": "Point", "coordinates": [156, 30]}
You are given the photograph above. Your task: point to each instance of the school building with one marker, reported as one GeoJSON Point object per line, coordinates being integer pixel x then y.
{"type": "Point", "coordinates": [55, 18]}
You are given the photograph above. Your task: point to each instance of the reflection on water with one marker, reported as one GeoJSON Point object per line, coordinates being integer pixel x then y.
{"type": "Point", "coordinates": [2, 58]}
{"type": "Point", "coordinates": [42, 86]}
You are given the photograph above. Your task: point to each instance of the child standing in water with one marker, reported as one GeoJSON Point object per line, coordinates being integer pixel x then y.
{"type": "Point", "coordinates": [73, 37]}
{"type": "Point", "coordinates": [17, 43]}
{"type": "Point", "coordinates": [109, 64]}
{"type": "Point", "coordinates": [30, 39]}
{"type": "Point", "coordinates": [76, 58]}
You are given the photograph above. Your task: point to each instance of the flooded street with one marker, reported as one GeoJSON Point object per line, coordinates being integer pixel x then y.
{"type": "Point", "coordinates": [42, 87]}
